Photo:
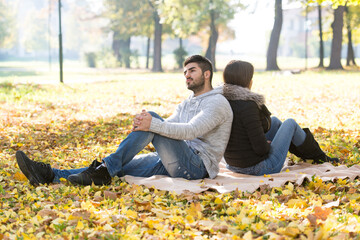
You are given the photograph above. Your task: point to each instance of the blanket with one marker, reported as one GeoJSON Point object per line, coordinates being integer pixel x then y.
{"type": "Point", "coordinates": [228, 181]}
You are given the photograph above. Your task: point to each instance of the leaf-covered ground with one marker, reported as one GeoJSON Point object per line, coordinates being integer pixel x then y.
{"type": "Point", "coordinates": [69, 126]}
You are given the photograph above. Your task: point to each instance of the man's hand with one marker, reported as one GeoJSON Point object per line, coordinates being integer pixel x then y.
{"type": "Point", "coordinates": [142, 121]}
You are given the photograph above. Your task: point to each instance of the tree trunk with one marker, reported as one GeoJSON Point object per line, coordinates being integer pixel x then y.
{"type": "Point", "coordinates": [214, 35]}
{"type": "Point", "coordinates": [147, 52]}
{"type": "Point", "coordinates": [157, 43]}
{"type": "Point", "coordinates": [321, 49]}
{"type": "Point", "coordinates": [125, 51]}
{"type": "Point", "coordinates": [306, 36]}
{"type": "Point", "coordinates": [271, 56]}
{"type": "Point", "coordinates": [337, 26]}
{"type": "Point", "coordinates": [121, 49]}
{"type": "Point", "coordinates": [116, 46]}
{"type": "Point", "coordinates": [350, 50]}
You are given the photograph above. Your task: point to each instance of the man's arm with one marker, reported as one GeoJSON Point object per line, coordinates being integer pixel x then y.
{"type": "Point", "coordinates": [207, 119]}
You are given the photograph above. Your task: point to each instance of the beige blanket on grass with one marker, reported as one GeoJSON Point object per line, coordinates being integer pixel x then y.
{"type": "Point", "coordinates": [227, 181]}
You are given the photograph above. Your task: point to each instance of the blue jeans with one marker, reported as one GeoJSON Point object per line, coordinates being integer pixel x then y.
{"type": "Point", "coordinates": [280, 135]}
{"type": "Point", "coordinates": [172, 158]}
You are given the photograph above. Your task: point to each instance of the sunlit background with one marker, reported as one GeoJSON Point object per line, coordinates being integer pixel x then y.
{"type": "Point", "coordinates": [33, 34]}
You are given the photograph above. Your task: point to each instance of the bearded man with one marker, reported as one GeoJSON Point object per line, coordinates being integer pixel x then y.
{"type": "Point", "coordinates": [189, 144]}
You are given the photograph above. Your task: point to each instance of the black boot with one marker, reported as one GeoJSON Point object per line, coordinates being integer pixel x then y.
{"type": "Point", "coordinates": [96, 173]}
{"type": "Point", "coordinates": [37, 172]}
{"type": "Point", "coordinates": [310, 149]}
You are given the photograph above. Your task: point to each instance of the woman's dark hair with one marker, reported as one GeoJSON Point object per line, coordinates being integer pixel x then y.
{"type": "Point", "coordinates": [238, 73]}
{"type": "Point", "coordinates": [204, 63]}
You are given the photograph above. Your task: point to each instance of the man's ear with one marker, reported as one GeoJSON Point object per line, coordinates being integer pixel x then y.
{"type": "Point", "coordinates": [207, 74]}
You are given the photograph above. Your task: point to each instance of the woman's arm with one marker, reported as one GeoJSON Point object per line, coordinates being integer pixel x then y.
{"type": "Point", "coordinates": [254, 129]}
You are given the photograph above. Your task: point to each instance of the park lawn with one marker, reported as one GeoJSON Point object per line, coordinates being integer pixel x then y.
{"type": "Point", "coordinates": [72, 124]}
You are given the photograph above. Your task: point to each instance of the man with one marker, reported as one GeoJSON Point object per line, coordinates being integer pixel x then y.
{"type": "Point", "coordinates": [189, 144]}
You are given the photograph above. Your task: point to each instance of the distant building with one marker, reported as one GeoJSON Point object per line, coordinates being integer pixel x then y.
{"type": "Point", "coordinates": [292, 42]}
{"type": "Point", "coordinates": [293, 33]}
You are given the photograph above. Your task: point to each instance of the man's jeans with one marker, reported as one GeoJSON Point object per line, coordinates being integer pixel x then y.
{"type": "Point", "coordinates": [172, 158]}
{"type": "Point", "coordinates": [280, 135]}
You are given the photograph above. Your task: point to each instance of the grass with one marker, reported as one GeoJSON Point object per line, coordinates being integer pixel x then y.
{"type": "Point", "coordinates": [71, 124]}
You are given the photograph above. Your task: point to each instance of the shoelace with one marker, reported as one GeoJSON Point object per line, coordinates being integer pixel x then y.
{"type": "Point", "coordinates": [41, 164]}
{"type": "Point", "coordinates": [90, 169]}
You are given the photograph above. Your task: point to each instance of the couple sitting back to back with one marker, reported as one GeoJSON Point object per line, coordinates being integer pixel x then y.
{"type": "Point", "coordinates": [259, 143]}
{"type": "Point", "coordinates": [229, 121]}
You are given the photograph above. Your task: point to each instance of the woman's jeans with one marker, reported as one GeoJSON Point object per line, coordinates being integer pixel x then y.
{"type": "Point", "coordinates": [172, 158]}
{"type": "Point", "coordinates": [280, 135]}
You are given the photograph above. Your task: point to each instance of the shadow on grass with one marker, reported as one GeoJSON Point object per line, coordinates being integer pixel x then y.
{"type": "Point", "coordinates": [20, 89]}
{"type": "Point", "coordinates": [16, 72]}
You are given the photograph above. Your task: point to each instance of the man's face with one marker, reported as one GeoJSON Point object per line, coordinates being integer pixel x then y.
{"type": "Point", "coordinates": [195, 80]}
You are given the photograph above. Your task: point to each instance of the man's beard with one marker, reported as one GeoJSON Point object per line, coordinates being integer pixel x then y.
{"type": "Point", "coordinates": [197, 86]}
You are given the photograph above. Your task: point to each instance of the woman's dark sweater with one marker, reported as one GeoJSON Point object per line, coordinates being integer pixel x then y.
{"type": "Point", "coordinates": [247, 145]}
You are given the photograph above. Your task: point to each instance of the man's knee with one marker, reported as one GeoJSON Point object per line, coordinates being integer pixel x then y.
{"type": "Point", "coordinates": [154, 114]}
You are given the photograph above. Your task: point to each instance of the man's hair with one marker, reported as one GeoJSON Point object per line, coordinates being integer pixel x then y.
{"type": "Point", "coordinates": [204, 63]}
{"type": "Point", "coordinates": [238, 73]}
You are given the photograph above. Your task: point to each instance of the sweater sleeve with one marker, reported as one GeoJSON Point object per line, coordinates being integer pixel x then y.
{"type": "Point", "coordinates": [254, 129]}
{"type": "Point", "coordinates": [212, 114]}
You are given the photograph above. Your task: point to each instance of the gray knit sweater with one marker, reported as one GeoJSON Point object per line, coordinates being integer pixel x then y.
{"type": "Point", "coordinates": [204, 122]}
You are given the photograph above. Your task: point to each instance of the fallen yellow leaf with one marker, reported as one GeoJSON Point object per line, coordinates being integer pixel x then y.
{"type": "Point", "coordinates": [20, 176]}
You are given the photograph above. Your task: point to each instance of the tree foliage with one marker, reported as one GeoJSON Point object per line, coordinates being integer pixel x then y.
{"type": "Point", "coordinates": [36, 36]}
{"type": "Point", "coordinates": [337, 3]}
{"type": "Point", "coordinates": [5, 23]}
{"type": "Point", "coordinates": [182, 16]}
{"type": "Point", "coordinates": [337, 27]}
{"type": "Point", "coordinates": [207, 20]}
{"type": "Point", "coordinates": [127, 18]}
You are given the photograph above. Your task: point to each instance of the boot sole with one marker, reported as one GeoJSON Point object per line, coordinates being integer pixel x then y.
{"type": "Point", "coordinates": [21, 161]}
{"type": "Point", "coordinates": [76, 183]}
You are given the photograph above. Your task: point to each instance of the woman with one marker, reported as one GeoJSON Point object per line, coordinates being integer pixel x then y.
{"type": "Point", "coordinates": [259, 144]}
